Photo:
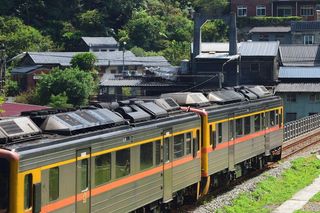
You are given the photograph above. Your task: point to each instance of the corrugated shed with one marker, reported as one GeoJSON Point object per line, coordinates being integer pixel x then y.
{"type": "Point", "coordinates": [300, 55]}
{"type": "Point", "coordinates": [100, 41]}
{"type": "Point", "coordinates": [298, 87]}
{"type": "Point", "coordinates": [299, 72]}
{"type": "Point", "coordinates": [305, 26]}
{"type": "Point", "coordinates": [273, 29]}
{"type": "Point", "coordinates": [260, 48]}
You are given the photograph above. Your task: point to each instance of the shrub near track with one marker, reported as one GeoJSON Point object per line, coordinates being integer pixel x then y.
{"type": "Point", "coordinates": [273, 191]}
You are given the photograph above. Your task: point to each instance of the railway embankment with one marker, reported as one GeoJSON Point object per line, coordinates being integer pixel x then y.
{"type": "Point", "coordinates": [268, 191]}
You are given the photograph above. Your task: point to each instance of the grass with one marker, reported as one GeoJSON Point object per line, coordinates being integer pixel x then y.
{"type": "Point", "coordinates": [315, 198]}
{"type": "Point", "coordinates": [274, 191]}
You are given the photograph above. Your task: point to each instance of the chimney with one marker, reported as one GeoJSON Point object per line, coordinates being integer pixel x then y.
{"type": "Point", "coordinates": [233, 50]}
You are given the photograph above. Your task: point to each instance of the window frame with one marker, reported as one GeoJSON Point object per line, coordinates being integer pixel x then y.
{"type": "Point", "coordinates": [243, 9]}
{"type": "Point", "coordinates": [142, 154]}
{"type": "Point", "coordinates": [284, 8]}
{"type": "Point", "coordinates": [306, 10]}
{"type": "Point", "coordinates": [314, 97]}
{"type": "Point", "coordinates": [57, 187]}
{"type": "Point", "coordinates": [291, 97]}
{"type": "Point", "coordinates": [127, 164]}
{"type": "Point", "coordinates": [28, 191]}
{"type": "Point", "coordinates": [181, 144]}
{"type": "Point", "coordinates": [306, 39]}
{"type": "Point", "coordinates": [260, 8]}
{"type": "Point", "coordinates": [96, 171]}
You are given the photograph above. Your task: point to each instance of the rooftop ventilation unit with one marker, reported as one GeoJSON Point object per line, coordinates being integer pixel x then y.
{"type": "Point", "coordinates": [188, 98]}
{"type": "Point", "coordinates": [18, 129]}
{"type": "Point", "coordinates": [260, 91]}
{"type": "Point", "coordinates": [225, 96]}
{"type": "Point", "coordinates": [153, 109]}
{"type": "Point", "coordinates": [167, 103]}
{"type": "Point", "coordinates": [133, 113]}
{"type": "Point", "coordinates": [67, 123]}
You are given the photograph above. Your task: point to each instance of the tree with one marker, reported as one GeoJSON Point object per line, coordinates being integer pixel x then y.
{"type": "Point", "coordinates": [59, 101]}
{"type": "Point", "coordinates": [19, 38]}
{"type": "Point", "coordinates": [176, 52]}
{"type": "Point", "coordinates": [78, 85]}
{"type": "Point", "coordinates": [210, 6]}
{"type": "Point", "coordinates": [84, 61]}
{"type": "Point", "coordinates": [215, 31]}
{"type": "Point", "coordinates": [91, 23]}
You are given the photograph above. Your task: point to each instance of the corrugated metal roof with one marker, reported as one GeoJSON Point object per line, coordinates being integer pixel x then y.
{"type": "Point", "coordinates": [153, 61]}
{"type": "Point", "coordinates": [260, 48]}
{"type": "Point", "coordinates": [273, 29]}
{"type": "Point", "coordinates": [305, 26]}
{"type": "Point", "coordinates": [14, 109]}
{"type": "Point", "coordinates": [299, 72]}
{"type": "Point", "coordinates": [100, 41]}
{"type": "Point", "coordinates": [300, 55]}
{"type": "Point", "coordinates": [25, 69]}
{"type": "Point", "coordinates": [132, 83]}
{"type": "Point", "coordinates": [298, 87]}
{"type": "Point", "coordinates": [214, 47]}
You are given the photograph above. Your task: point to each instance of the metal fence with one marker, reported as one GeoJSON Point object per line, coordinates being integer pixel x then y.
{"type": "Point", "coordinates": [293, 129]}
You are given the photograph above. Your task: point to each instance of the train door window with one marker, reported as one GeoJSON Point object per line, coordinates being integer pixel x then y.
{"type": "Point", "coordinates": [280, 117]}
{"type": "Point", "coordinates": [198, 140]}
{"type": "Point", "coordinates": [166, 150]}
{"type": "Point", "coordinates": [247, 125]}
{"type": "Point", "coordinates": [257, 122]}
{"type": "Point", "coordinates": [146, 156]}
{"type": "Point", "coordinates": [219, 130]}
{"type": "Point", "coordinates": [27, 191]}
{"type": "Point", "coordinates": [276, 117]}
{"type": "Point", "coordinates": [83, 171]}
{"type": "Point", "coordinates": [263, 120]}
{"type": "Point", "coordinates": [231, 130]}
{"type": "Point", "coordinates": [158, 152]}
{"type": "Point", "coordinates": [178, 145]}
{"type": "Point", "coordinates": [272, 120]}
{"type": "Point", "coordinates": [211, 135]}
{"type": "Point", "coordinates": [188, 143]}
{"type": "Point", "coordinates": [53, 183]}
{"type": "Point", "coordinates": [4, 185]}
{"type": "Point", "coordinates": [239, 127]}
{"type": "Point", "coordinates": [102, 169]}
{"type": "Point", "coordinates": [122, 163]}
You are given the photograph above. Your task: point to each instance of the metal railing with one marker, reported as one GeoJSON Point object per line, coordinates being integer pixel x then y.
{"type": "Point", "coordinates": [293, 129]}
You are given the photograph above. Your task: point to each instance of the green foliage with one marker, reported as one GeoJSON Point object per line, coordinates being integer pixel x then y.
{"type": "Point", "coordinates": [59, 101]}
{"type": "Point", "coordinates": [214, 31]}
{"type": "Point", "coordinates": [84, 61]}
{"type": "Point", "coordinates": [19, 38]}
{"type": "Point", "coordinates": [28, 97]}
{"type": "Point", "coordinates": [265, 21]}
{"type": "Point", "coordinates": [210, 6]}
{"type": "Point", "coordinates": [176, 52]}
{"type": "Point", "coordinates": [78, 85]}
{"type": "Point", "coordinates": [11, 87]}
{"type": "Point", "coordinates": [91, 23]}
{"type": "Point", "coordinates": [273, 190]}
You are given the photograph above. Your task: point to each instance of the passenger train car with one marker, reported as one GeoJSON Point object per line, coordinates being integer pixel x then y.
{"type": "Point", "coordinates": [136, 155]}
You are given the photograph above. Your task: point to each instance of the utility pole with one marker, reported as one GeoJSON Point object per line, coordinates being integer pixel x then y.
{"type": "Point", "coordinates": [2, 66]}
{"type": "Point", "coordinates": [123, 51]}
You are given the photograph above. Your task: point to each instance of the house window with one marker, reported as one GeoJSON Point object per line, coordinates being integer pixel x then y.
{"type": "Point", "coordinates": [261, 10]}
{"type": "Point", "coordinates": [291, 98]}
{"type": "Point", "coordinates": [306, 10]}
{"type": "Point", "coordinates": [308, 39]}
{"type": "Point", "coordinates": [284, 11]}
{"type": "Point", "coordinates": [314, 98]}
{"type": "Point", "coordinates": [291, 116]}
{"type": "Point", "coordinates": [242, 11]}
{"type": "Point", "coordinates": [254, 68]}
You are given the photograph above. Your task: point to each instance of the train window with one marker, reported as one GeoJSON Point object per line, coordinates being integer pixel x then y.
{"type": "Point", "coordinates": [272, 118]}
{"type": "Point", "coordinates": [166, 150]}
{"type": "Point", "coordinates": [211, 135]}
{"type": "Point", "coordinates": [257, 123]}
{"type": "Point", "coordinates": [188, 143]}
{"type": "Point", "coordinates": [4, 185]}
{"type": "Point", "coordinates": [231, 130]}
{"type": "Point", "coordinates": [178, 143]}
{"type": "Point", "coordinates": [158, 152]}
{"type": "Point", "coordinates": [83, 171]}
{"type": "Point", "coordinates": [102, 169]}
{"type": "Point", "coordinates": [146, 156]}
{"type": "Point", "coordinates": [27, 191]}
{"type": "Point", "coordinates": [122, 163]}
{"type": "Point", "coordinates": [198, 140]}
{"type": "Point", "coordinates": [239, 127]}
{"type": "Point", "coordinates": [276, 117]}
{"type": "Point", "coordinates": [247, 125]}
{"type": "Point", "coordinates": [219, 130]}
{"type": "Point", "coordinates": [53, 183]}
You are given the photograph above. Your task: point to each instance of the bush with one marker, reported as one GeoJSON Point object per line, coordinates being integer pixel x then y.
{"type": "Point", "coordinates": [11, 88]}
{"type": "Point", "coordinates": [59, 101]}
{"type": "Point", "coordinates": [266, 21]}
{"type": "Point", "coordinates": [28, 97]}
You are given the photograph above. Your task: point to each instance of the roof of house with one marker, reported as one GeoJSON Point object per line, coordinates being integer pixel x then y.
{"type": "Point", "coordinates": [271, 29]}
{"type": "Point", "coordinates": [214, 47]}
{"type": "Point", "coordinates": [298, 87]}
{"type": "Point", "coordinates": [305, 26]}
{"type": "Point", "coordinates": [100, 41]}
{"type": "Point", "coordinates": [259, 48]}
{"type": "Point", "coordinates": [153, 61]}
{"type": "Point", "coordinates": [14, 109]}
{"type": "Point", "coordinates": [299, 72]}
{"type": "Point", "coordinates": [300, 55]}
{"type": "Point", "coordinates": [132, 83]}
{"type": "Point", "coordinates": [25, 69]}
{"type": "Point", "coordinates": [114, 58]}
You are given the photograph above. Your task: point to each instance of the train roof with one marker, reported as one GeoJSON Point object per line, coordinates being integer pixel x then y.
{"type": "Point", "coordinates": [39, 128]}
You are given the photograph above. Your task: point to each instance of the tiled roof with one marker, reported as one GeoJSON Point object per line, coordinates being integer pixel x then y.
{"type": "Point", "coordinates": [260, 48]}
{"type": "Point", "coordinates": [274, 29]}
{"type": "Point", "coordinates": [300, 55]}
{"type": "Point", "coordinates": [305, 26]}
{"type": "Point", "coordinates": [14, 109]}
{"type": "Point", "coordinates": [100, 41]}
{"type": "Point", "coordinates": [132, 83]}
{"type": "Point", "coordinates": [25, 69]}
{"type": "Point", "coordinates": [299, 72]}
{"type": "Point", "coordinates": [298, 87]}
{"type": "Point", "coordinates": [153, 61]}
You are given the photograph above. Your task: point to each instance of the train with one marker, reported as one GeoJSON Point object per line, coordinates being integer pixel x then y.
{"type": "Point", "coordinates": [137, 155]}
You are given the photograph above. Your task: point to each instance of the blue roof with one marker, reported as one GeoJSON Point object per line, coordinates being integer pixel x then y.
{"type": "Point", "coordinates": [299, 72]}
{"type": "Point", "coordinates": [25, 69]}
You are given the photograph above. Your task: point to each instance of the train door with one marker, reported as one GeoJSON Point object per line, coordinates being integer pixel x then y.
{"type": "Point", "coordinates": [167, 165]}
{"type": "Point", "coordinates": [83, 181]}
{"type": "Point", "coordinates": [231, 138]}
